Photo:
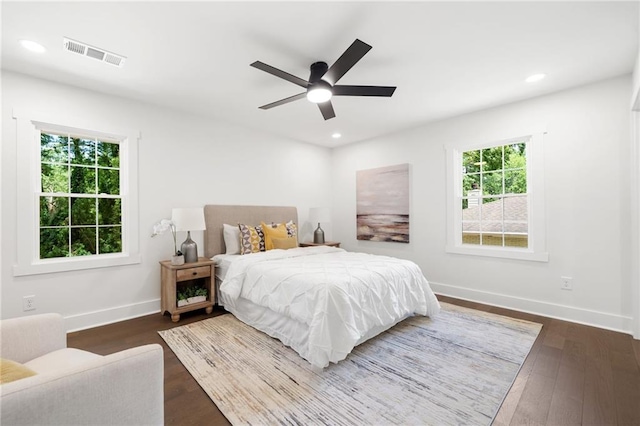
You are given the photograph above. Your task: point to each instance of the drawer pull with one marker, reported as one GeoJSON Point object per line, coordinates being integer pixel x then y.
{"type": "Point", "coordinates": [195, 273]}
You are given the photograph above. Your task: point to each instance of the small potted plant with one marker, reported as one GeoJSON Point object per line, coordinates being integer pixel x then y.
{"type": "Point", "coordinates": [182, 299]}
{"type": "Point", "coordinates": [199, 295]}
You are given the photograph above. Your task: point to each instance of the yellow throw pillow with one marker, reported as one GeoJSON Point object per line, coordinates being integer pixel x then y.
{"type": "Point", "coordinates": [271, 232]}
{"type": "Point", "coordinates": [285, 243]}
{"type": "Point", "coordinates": [11, 371]}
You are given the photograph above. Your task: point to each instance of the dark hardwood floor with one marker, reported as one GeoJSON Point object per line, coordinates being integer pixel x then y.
{"type": "Point", "coordinates": [574, 375]}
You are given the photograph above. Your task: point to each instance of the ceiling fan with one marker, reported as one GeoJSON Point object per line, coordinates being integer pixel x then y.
{"type": "Point", "coordinates": [322, 81]}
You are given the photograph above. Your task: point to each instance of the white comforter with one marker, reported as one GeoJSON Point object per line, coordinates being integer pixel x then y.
{"type": "Point", "coordinates": [341, 296]}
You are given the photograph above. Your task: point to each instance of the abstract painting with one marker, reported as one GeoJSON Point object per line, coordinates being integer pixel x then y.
{"type": "Point", "coordinates": [382, 198]}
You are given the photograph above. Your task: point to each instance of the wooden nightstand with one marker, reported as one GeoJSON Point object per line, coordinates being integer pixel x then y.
{"type": "Point", "coordinates": [326, 243]}
{"type": "Point", "coordinates": [200, 273]}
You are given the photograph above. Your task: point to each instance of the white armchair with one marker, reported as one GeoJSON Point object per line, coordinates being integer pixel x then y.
{"type": "Point", "coordinates": [75, 387]}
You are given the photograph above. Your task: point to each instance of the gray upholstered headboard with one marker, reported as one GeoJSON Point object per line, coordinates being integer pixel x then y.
{"type": "Point", "coordinates": [217, 215]}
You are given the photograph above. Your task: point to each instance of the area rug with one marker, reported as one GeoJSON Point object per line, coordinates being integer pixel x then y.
{"type": "Point", "coordinates": [454, 369]}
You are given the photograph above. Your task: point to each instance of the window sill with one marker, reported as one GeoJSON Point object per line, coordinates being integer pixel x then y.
{"type": "Point", "coordinates": [76, 264]}
{"type": "Point", "coordinates": [499, 252]}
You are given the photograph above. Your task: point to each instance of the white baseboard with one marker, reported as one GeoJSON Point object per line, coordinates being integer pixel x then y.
{"type": "Point", "coordinates": [108, 316]}
{"type": "Point", "coordinates": [567, 313]}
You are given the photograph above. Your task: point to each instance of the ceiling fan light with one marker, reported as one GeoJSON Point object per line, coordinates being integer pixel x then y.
{"type": "Point", "coordinates": [318, 95]}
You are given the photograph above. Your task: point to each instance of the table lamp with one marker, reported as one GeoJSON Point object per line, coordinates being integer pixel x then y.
{"type": "Point", "coordinates": [319, 214]}
{"type": "Point", "coordinates": [191, 219]}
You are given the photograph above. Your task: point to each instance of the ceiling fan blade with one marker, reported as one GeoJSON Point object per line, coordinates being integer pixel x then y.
{"type": "Point", "coordinates": [349, 58]}
{"type": "Point", "coordinates": [327, 110]}
{"type": "Point", "coordinates": [284, 101]}
{"type": "Point", "coordinates": [279, 73]}
{"type": "Point", "coordinates": [363, 90]}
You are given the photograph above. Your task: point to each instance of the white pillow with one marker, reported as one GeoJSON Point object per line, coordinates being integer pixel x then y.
{"type": "Point", "coordinates": [231, 238]}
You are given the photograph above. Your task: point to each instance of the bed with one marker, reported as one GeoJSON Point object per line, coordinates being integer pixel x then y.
{"type": "Point", "coordinates": [320, 301]}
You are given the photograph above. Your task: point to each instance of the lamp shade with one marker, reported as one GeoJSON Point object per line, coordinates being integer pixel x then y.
{"type": "Point", "coordinates": [191, 219]}
{"type": "Point", "coordinates": [319, 214]}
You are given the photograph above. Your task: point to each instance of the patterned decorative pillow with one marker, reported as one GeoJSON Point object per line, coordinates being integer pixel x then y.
{"type": "Point", "coordinates": [292, 229]}
{"type": "Point", "coordinates": [251, 239]}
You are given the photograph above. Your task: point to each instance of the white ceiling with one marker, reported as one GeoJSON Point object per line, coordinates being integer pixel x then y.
{"type": "Point", "coordinates": [446, 58]}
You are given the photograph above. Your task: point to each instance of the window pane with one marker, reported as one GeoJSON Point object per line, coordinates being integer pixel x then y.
{"type": "Point", "coordinates": [83, 211]}
{"type": "Point", "coordinates": [491, 239]}
{"type": "Point", "coordinates": [492, 210]}
{"type": "Point", "coordinates": [492, 183]}
{"type": "Point", "coordinates": [491, 226]}
{"type": "Point", "coordinates": [54, 211]}
{"type": "Point", "coordinates": [54, 242]}
{"type": "Point", "coordinates": [515, 156]}
{"type": "Point", "coordinates": [54, 148]}
{"type": "Point", "coordinates": [83, 151]}
{"type": "Point", "coordinates": [110, 239]}
{"type": "Point", "coordinates": [471, 238]}
{"type": "Point", "coordinates": [54, 178]}
{"type": "Point", "coordinates": [83, 241]}
{"type": "Point", "coordinates": [516, 223]}
{"type": "Point", "coordinates": [108, 154]}
{"type": "Point", "coordinates": [109, 181]}
{"type": "Point", "coordinates": [516, 210]}
{"type": "Point", "coordinates": [471, 183]}
{"type": "Point", "coordinates": [471, 161]}
{"type": "Point", "coordinates": [470, 223]}
{"type": "Point", "coordinates": [109, 211]}
{"type": "Point", "coordinates": [515, 181]}
{"type": "Point", "coordinates": [521, 241]}
{"type": "Point", "coordinates": [83, 180]}
{"type": "Point", "coordinates": [492, 158]}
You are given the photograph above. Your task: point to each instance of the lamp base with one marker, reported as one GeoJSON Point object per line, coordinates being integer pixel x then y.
{"type": "Point", "coordinates": [318, 236]}
{"type": "Point", "coordinates": [189, 249]}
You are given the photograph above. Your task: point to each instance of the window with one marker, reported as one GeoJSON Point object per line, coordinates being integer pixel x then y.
{"type": "Point", "coordinates": [77, 195]}
{"type": "Point", "coordinates": [495, 199]}
{"type": "Point", "coordinates": [80, 202]}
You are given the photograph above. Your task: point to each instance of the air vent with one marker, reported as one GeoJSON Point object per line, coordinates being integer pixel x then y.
{"type": "Point", "coordinates": [93, 52]}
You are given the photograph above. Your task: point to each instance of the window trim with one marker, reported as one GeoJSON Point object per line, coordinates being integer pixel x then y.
{"type": "Point", "coordinates": [29, 124]}
{"type": "Point", "coordinates": [536, 250]}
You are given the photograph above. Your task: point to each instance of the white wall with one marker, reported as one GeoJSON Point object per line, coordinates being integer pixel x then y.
{"type": "Point", "coordinates": [587, 187]}
{"type": "Point", "coordinates": [184, 161]}
{"type": "Point", "coordinates": [635, 92]}
{"type": "Point", "coordinates": [635, 194]}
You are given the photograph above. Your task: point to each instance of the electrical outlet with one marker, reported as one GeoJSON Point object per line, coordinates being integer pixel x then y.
{"type": "Point", "coordinates": [566, 283]}
{"type": "Point", "coordinates": [29, 303]}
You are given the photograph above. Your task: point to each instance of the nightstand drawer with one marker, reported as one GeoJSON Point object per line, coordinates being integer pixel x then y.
{"type": "Point", "coordinates": [193, 273]}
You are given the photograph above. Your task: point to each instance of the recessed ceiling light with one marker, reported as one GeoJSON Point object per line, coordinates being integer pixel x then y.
{"type": "Point", "coordinates": [535, 77]}
{"type": "Point", "coordinates": [32, 46]}
{"type": "Point", "coordinates": [336, 135]}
